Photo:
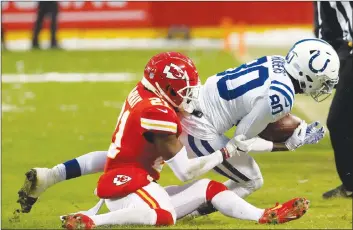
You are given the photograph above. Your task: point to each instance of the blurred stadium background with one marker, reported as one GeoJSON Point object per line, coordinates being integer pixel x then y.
{"type": "Point", "coordinates": [242, 29]}
{"type": "Point", "coordinates": [60, 103]}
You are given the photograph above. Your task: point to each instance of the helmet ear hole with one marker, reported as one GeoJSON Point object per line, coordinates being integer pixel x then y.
{"type": "Point", "coordinates": [171, 76]}
{"type": "Point", "coordinates": [302, 85]}
{"type": "Point", "coordinates": [308, 78]}
{"type": "Point", "coordinates": [171, 90]}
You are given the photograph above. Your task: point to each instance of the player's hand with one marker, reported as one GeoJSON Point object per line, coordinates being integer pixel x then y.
{"type": "Point", "coordinates": [313, 133]}
{"type": "Point", "coordinates": [298, 137]}
{"type": "Point", "coordinates": [237, 145]}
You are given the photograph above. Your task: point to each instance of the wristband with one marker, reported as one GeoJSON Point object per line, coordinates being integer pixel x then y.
{"type": "Point", "coordinates": [225, 153]}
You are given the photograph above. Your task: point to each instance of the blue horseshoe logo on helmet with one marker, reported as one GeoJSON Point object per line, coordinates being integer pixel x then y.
{"type": "Point", "coordinates": [311, 63]}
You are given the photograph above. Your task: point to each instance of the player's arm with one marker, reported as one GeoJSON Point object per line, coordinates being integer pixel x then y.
{"type": "Point", "coordinates": [264, 111]}
{"type": "Point", "coordinates": [161, 129]}
{"type": "Point", "coordinates": [175, 155]}
{"type": "Point", "coordinates": [281, 99]}
{"type": "Point", "coordinates": [279, 147]}
{"type": "Point", "coordinates": [303, 134]}
{"type": "Point", "coordinates": [270, 109]}
{"type": "Point", "coordinates": [254, 123]}
{"type": "Point", "coordinates": [260, 142]}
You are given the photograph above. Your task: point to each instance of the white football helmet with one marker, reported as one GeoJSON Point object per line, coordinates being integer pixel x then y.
{"type": "Point", "coordinates": [315, 64]}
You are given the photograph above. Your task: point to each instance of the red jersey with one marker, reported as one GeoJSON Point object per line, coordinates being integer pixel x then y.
{"type": "Point", "coordinates": [142, 112]}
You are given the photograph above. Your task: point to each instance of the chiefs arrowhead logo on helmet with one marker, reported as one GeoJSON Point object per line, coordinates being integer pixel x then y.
{"type": "Point", "coordinates": [173, 71]}
{"type": "Point", "coordinates": [173, 77]}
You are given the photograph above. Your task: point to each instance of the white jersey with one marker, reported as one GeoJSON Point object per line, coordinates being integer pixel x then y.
{"type": "Point", "coordinates": [249, 96]}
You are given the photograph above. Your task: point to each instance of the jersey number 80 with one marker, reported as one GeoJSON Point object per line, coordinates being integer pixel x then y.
{"type": "Point", "coordinates": [230, 75]}
{"type": "Point", "coordinates": [262, 76]}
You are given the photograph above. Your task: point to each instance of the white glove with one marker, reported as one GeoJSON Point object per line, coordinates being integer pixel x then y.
{"type": "Point", "coordinates": [298, 137]}
{"type": "Point", "coordinates": [237, 146]}
{"type": "Point", "coordinates": [314, 134]}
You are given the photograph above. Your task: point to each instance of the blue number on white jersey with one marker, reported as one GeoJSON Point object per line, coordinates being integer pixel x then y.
{"type": "Point", "coordinates": [242, 70]}
{"type": "Point", "coordinates": [276, 105]}
{"type": "Point", "coordinates": [278, 91]}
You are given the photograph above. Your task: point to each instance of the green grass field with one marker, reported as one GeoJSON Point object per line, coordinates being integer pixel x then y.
{"type": "Point", "coordinates": [55, 122]}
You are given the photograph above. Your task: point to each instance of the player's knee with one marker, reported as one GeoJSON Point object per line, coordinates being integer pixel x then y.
{"type": "Point", "coordinates": [165, 217]}
{"type": "Point", "coordinates": [253, 185]}
{"type": "Point", "coordinates": [213, 188]}
{"type": "Point", "coordinates": [257, 183]}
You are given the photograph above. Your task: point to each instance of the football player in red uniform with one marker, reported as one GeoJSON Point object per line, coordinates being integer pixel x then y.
{"type": "Point", "coordinates": [146, 137]}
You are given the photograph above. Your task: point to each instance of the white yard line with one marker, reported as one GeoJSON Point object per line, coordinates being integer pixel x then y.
{"type": "Point", "coordinates": [68, 77]}
{"type": "Point", "coordinates": [120, 43]}
{"type": "Point", "coordinates": [268, 38]}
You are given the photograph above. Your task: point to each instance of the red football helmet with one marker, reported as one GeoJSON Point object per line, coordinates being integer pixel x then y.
{"type": "Point", "coordinates": [173, 77]}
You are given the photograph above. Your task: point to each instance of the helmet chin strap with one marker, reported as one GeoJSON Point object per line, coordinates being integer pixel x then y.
{"type": "Point", "coordinates": [159, 92]}
{"type": "Point", "coordinates": [148, 85]}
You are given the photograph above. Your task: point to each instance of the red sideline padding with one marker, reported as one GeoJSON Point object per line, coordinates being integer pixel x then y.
{"type": "Point", "coordinates": [102, 14]}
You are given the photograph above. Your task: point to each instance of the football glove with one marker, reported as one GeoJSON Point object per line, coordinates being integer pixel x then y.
{"type": "Point", "coordinates": [237, 145]}
{"type": "Point", "coordinates": [313, 133]}
{"type": "Point", "coordinates": [298, 137]}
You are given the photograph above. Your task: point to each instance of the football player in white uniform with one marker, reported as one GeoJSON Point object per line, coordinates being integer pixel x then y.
{"type": "Point", "coordinates": [253, 95]}
{"type": "Point", "coordinates": [250, 96]}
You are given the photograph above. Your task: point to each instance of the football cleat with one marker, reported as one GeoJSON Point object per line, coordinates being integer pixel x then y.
{"type": "Point", "coordinates": [77, 221]}
{"type": "Point", "coordinates": [340, 191]}
{"type": "Point", "coordinates": [282, 213]}
{"type": "Point", "coordinates": [36, 182]}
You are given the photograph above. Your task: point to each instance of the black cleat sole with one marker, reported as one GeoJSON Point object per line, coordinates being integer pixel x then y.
{"type": "Point", "coordinates": [340, 191]}
{"type": "Point", "coordinates": [24, 199]}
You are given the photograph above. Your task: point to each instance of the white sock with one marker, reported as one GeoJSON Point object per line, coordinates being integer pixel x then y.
{"type": "Point", "coordinates": [143, 216]}
{"type": "Point", "coordinates": [92, 162]}
{"type": "Point", "coordinates": [59, 172]}
{"type": "Point", "coordinates": [230, 204]}
{"type": "Point", "coordinates": [89, 163]}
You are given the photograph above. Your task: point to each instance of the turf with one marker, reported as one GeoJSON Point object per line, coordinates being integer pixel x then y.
{"type": "Point", "coordinates": [54, 122]}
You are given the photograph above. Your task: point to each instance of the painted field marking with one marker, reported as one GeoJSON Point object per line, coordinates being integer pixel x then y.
{"type": "Point", "coordinates": [68, 77]}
